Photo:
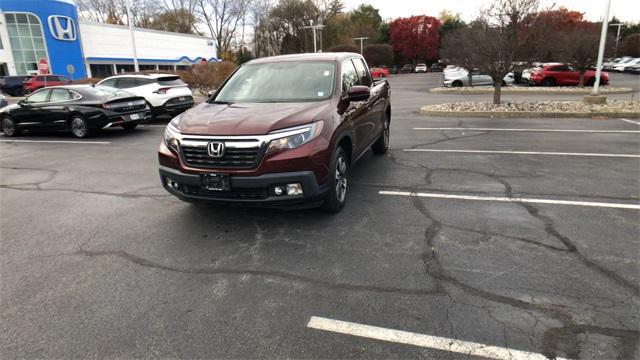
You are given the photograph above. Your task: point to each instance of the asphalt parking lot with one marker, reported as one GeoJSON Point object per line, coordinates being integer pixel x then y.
{"type": "Point", "coordinates": [506, 233]}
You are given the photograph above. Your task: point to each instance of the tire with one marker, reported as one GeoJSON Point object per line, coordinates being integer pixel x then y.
{"type": "Point", "coordinates": [18, 92]}
{"type": "Point", "coordinates": [79, 127]}
{"type": "Point", "coordinates": [457, 83]}
{"type": "Point", "coordinates": [382, 144]}
{"type": "Point", "coordinates": [338, 185]}
{"type": "Point", "coordinates": [590, 82]}
{"type": "Point", "coordinates": [548, 82]}
{"type": "Point", "coordinates": [9, 127]}
{"type": "Point", "coordinates": [130, 126]}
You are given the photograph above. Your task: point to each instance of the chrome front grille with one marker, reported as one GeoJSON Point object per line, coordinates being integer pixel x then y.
{"type": "Point", "coordinates": [237, 155]}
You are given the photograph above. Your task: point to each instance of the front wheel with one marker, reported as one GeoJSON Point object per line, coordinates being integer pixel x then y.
{"type": "Point", "coordinates": [337, 195]}
{"type": "Point", "coordinates": [79, 127]}
{"type": "Point", "coordinates": [9, 127]}
{"type": "Point", "coordinates": [382, 144]}
{"type": "Point", "coordinates": [548, 82]}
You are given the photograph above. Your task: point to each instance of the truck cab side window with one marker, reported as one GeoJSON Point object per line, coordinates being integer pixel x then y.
{"type": "Point", "coordinates": [363, 73]}
{"type": "Point", "coordinates": [349, 76]}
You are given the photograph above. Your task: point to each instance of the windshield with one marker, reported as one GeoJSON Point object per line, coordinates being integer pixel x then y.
{"type": "Point", "coordinates": [287, 81]}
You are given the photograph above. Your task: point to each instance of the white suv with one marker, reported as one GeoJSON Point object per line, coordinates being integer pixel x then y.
{"type": "Point", "coordinates": [421, 68]}
{"type": "Point", "coordinates": [165, 93]}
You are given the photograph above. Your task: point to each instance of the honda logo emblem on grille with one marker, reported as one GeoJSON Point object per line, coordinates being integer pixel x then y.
{"type": "Point", "coordinates": [216, 149]}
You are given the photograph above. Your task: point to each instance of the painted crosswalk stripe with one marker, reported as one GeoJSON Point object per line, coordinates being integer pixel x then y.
{"type": "Point", "coordinates": [511, 199]}
{"type": "Point", "coordinates": [506, 152]}
{"type": "Point", "coordinates": [421, 340]}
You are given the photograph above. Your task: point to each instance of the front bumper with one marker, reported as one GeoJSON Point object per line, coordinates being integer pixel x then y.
{"type": "Point", "coordinates": [247, 190]}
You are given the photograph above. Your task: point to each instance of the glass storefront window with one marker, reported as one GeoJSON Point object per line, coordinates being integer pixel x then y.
{"type": "Point", "coordinates": [27, 43]}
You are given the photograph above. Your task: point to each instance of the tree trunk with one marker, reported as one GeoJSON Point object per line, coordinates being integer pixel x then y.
{"type": "Point", "coordinates": [497, 91]}
{"type": "Point", "coordinates": [581, 83]}
{"type": "Point", "coordinates": [470, 75]}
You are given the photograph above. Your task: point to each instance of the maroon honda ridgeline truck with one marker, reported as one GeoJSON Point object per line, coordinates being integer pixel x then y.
{"type": "Point", "coordinates": [280, 131]}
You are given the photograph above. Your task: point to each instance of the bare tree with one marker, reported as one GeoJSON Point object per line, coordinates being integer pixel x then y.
{"type": "Point", "coordinates": [106, 11]}
{"type": "Point", "coordinates": [222, 18]}
{"type": "Point", "coordinates": [456, 49]}
{"type": "Point", "coordinates": [579, 47]}
{"type": "Point", "coordinates": [177, 15]}
{"type": "Point", "coordinates": [504, 37]}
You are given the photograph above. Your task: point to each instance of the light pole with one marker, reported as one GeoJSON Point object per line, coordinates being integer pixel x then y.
{"type": "Point", "coordinates": [362, 39]}
{"type": "Point", "coordinates": [619, 25]}
{"type": "Point", "coordinates": [136, 68]}
{"type": "Point", "coordinates": [314, 28]}
{"type": "Point", "coordinates": [595, 97]}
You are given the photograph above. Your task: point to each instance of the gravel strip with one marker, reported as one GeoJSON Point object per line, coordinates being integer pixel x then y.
{"type": "Point", "coordinates": [531, 89]}
{"type": "Point", "coordinates": [617, 106]}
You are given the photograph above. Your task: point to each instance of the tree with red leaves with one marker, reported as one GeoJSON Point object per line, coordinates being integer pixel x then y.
{"type": "Point", "coordinates": [416, 38]}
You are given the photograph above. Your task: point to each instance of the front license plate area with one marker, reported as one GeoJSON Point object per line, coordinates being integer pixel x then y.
{"type": "Point", "coordinates": [216, 182]}
{"type": "Point", "coordinates": [134, 116]}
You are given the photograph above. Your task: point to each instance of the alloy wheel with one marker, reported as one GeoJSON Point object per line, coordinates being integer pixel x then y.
{"type": "Point", "coordinates": [8, 127]}
{"type": "Point", "coordinates": [341, 179]}
{"type": "Point", "coordinates": [78, 127]}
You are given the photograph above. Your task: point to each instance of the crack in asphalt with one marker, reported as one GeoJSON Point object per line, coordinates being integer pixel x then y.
{"type": "Point", "coordinates": [258, 273]}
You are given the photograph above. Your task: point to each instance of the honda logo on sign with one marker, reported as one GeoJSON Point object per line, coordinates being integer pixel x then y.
{"type": "Point", "coordinates": [62, 28]}
{"type": "Point", "coordinates": [216, 149]}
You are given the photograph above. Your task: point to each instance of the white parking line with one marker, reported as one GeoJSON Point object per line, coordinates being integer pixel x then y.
{"type": "Point", "coordinates": [421, 340]}
{"type": "Point", "coordinates": [512, 199]}
{"type": "Point", "coordinates": [530, 130]}
{"type": "Point", "coordinates": [631, 121]}
{"type": "Point", "coordinates": [522, 153]}
{"type": "Point", "coordinates": [58, 142]}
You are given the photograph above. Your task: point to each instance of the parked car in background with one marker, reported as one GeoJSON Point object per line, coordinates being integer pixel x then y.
{"type": "Point", "coordinates": [36, 82]}
{"type": "Point", "coordinates": [393, 69]}
{"type": "Point", "coordinates": [609, 65]}
{"type": "Point", "coordinates": [13, 85]}
{"type": "Point", "coordinates": [421, 68]}
{"type": "Point", "coordinates": [623, 67]}
{"type": "Point", "coordinates": [81, 109]}
{"type": "Point", "coordinates": [281, 131]}
{"type": "Point", "coordinates": [557, 75]}
{"type": "Point", "coordinates": [406, 69]}
{"type": "Point", "coordinates": [477, 77]}
{"type": "Point", "coordinates": [526, 73]}
{"type": "Point", "coordinates": [436, 67]}
{"type": "Point", "coordinates": [164, 93]}
{"type": "Point", "coordinates": [3, 101]}
{"type": "Point", "coordinates": [634, 69]}
{"type": "Point", "coordinates": [378, 72]}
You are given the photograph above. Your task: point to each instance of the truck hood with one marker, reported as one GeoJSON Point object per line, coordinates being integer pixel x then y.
{"type": "Point", "coordinates": [247, 118]}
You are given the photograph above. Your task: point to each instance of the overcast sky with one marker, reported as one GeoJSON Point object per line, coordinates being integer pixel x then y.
{"type": "Point", "coordinates": [626, 10]}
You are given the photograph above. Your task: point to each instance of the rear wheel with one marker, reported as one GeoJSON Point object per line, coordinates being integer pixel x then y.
{"type": "Point", "coordinates": [79, 127]}
{"type": "Point", "coordinates": [382, 144]}
{"type": "Point", "coordinates": [9, 127]}
{"type": "Point", "coordinates": [548, 82]}
{"type": "Point", "coordinates": [337, 195]}
{"type": "Point", "coordinates": [457, 83]}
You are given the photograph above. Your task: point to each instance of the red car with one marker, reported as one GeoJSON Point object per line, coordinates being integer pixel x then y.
{"type": "Point", "coordinates": [554, 75]}
{"type": "Point", "coordinates": [379, 72]}
{"type": "Point", "coordinates": [37, 82]}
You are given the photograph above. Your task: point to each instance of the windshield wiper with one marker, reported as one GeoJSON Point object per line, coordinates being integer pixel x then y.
{"type": "Point", "coordinates": [221, 102]}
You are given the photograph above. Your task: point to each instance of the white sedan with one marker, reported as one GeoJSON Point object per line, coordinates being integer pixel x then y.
{"type": "Point", "coordinates": [460, 79]}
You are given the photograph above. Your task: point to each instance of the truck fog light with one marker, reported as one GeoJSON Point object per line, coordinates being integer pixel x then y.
{"type": "Point", "coordinates": [294, 189]}
{"type": "Point", "coordinates": [278, 190]}
{"type": "Point", "coordinates": [174, 184]}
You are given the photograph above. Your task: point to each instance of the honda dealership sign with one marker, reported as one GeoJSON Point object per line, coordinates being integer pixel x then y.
{"type": "Point", "coordinates": [62, 28]}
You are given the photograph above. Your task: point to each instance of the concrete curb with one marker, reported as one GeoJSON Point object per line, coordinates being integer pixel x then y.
{"type": "Point", "coordinates": [532, 91]}
{"type": "Point", "coordinates": [529, 114]}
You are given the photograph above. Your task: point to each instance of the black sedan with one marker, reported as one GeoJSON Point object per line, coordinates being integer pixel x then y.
{"type": "Point", "coordinates": [81, 109]}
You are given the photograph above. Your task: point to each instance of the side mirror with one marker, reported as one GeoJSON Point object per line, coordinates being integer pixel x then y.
{"type": "Point", "coordinates": [359, 93]}
{"type": "Point", "coordinates": [24, 103]}
{"type": "Point", "coordinates": [210, 93]}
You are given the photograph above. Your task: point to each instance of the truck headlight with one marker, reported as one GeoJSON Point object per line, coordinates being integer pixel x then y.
{"type": "Point", "coordinates": [296, 137]}
{"type": "Point", "coordinates": [171, 138]}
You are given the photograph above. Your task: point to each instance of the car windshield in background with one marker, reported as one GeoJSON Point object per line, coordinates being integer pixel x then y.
{"type": "Point", "coordinates": [289, 81]}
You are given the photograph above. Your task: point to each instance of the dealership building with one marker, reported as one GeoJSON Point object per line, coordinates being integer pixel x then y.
{"type": "Point", "coordinates": [31, 30]}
